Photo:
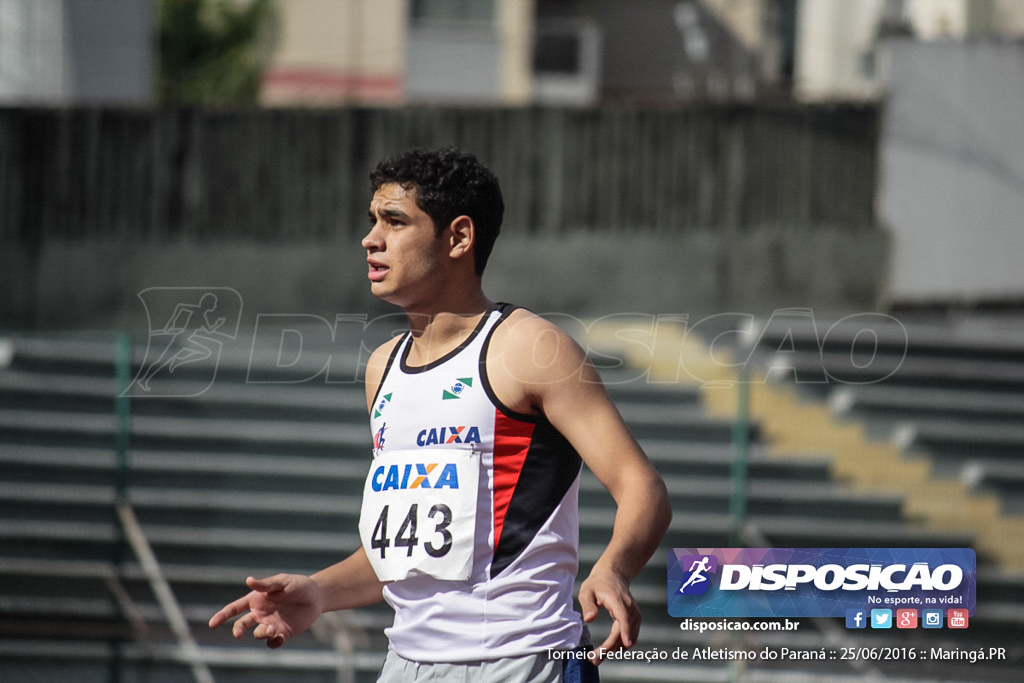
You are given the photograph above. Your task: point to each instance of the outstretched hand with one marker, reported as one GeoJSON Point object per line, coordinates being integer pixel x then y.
{"type": "Point", "coordinates": [276, 609]}
{"type": "Point", "coordinates": [606, 589]}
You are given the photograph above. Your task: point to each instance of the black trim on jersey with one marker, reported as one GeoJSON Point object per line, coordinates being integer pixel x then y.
{"type": "Point", "coordinates": [506, 310]}
{"type": "Point", "coordinates": [387, 369]}
{"type": "Point", "coordinates": [550, 468]}
{"type": "Point", "coordinates": [410, 370]}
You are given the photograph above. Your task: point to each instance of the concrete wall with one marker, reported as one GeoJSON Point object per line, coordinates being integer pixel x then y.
{"type": "Point", "coordinates": [97, 285]}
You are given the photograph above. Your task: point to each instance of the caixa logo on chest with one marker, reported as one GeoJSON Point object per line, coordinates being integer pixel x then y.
{"type": "Point", "coordinates": [447, 435]}
{"type": "Point", "coordinates": [414, 476]}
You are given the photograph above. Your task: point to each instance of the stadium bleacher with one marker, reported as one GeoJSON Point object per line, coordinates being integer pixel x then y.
{"type": "Point", "coordinates": [230, 478]}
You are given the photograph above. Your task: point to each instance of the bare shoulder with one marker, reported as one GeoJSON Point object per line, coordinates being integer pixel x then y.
{"type": "Point", "coordinates": [524, 329]}
{"type": "Point", "coordinates": [531, 344]}
{"type": "Point", "coordinates": [531, 358]}
{"type": "Point", "coordinates": [376, 365]}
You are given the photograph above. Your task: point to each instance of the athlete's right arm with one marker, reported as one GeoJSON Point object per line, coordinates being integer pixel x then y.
{"type": "Point", "coordinates": [285, 605]}
{"type": "Point", "coordinates": [353, 581]}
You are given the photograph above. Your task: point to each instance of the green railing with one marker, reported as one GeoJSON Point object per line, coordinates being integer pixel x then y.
{"type": "Point", "coordinates": [741, 449]}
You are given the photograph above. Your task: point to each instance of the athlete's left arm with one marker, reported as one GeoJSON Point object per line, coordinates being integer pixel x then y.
{"type": "Point", "coordinates": [558, 381]}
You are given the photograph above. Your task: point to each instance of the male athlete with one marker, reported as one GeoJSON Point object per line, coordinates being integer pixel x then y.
{"type": "Point", "coordinates": [481, 416]}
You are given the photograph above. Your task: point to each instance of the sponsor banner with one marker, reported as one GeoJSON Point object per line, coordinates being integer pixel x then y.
{"type": "Point", "coordinates": [818, 582]}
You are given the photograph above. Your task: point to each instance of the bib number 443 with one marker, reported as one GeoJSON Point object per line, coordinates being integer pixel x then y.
{"type": "Point", "coordinates": [418, 514]}
{"type": "Point", "coordinates": [437, 545]}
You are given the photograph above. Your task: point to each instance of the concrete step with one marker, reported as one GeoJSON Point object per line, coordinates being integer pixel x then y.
{"type": "Point", "coordinates": [799, 499]}
{"type": "Point", "coordinates": [45, 427]}
{"type": "Point", "coordinates": [1004, 477]}
{"type": "Point", "coordinates": [265, 357]}
{"type": "Point", "coordinates": [893, 404]}
{"type": "Point", "coordinates": [957, 441]}
{"type": "Point", "coordinates": [910, 371]}
{"type": "Point", "coordinates": [20, 389]}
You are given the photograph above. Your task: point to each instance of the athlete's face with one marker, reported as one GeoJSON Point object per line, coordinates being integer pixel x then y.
{"type": "Point", "coordinates": [404, 254]}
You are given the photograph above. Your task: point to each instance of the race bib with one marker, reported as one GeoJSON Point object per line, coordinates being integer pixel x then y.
{"type": "Point", "coordinates": [419, 513]}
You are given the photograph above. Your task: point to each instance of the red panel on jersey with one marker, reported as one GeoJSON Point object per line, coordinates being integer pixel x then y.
{"type": "Point", "coordinates": [511, 444]}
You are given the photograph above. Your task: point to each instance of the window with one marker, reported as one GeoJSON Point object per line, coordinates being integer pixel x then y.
{"type": "Point", "coordinates": [556, 51]}
{"type": "Point", "coordinates": [453, 11]}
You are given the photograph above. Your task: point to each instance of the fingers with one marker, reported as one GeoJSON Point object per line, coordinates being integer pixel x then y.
{"type": "Point", "coordinates": [625, 628]}
{"type": "Point", "coordinates": [245, 606]}
{"type": "Point", "coordinates": [629, 625]}
{"type": "Point", "coordinates": [230, 610]}
{"type": "Point", "coordinates": [269, 633]}
{"type": "Point", "coordinates": [260, 631]}
{"type": "Point", "coordinates": [610, 644]}
{"type": "Point", "coordinates": [588, 604]}
{"type": "Point", "coordinates": [244, 603]}
{"type": "Point", "coordinates": [621, 622]}
{"type": "Point", "coordinates": [271, 584]}
{"type": "Point", "coordinates": [625, 619]}
{"type": "Point", "coordinates": [239, 628]}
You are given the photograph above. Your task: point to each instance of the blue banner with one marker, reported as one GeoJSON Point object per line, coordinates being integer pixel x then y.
{"type": "Point", "coordinates": [818, 582]}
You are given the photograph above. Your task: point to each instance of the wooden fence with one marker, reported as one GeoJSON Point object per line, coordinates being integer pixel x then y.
{"type": "Point", "coordinates": [160, 174]}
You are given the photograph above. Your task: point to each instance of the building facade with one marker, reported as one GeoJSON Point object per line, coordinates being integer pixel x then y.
{"type": "Point", "coordinates": [395, 51]}
{"type": "Point", "coordinates": [836, 40]}
{"type": "Point", "coordinates": [76, 51]}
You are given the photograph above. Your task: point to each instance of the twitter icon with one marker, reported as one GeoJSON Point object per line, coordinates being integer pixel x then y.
{"type": "Point", "coordinates": [881, 618]}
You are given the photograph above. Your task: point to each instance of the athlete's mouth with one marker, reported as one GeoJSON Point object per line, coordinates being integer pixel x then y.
{"type": "Point", "coordinates": [377, 269]}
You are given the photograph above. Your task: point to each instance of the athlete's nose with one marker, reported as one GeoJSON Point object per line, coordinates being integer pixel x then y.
{"type": "Point", "coordinates": [373, 241]}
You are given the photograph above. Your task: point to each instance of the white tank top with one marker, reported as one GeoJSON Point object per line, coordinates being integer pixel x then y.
{"type": "Point", "coordinates": [518, 598]}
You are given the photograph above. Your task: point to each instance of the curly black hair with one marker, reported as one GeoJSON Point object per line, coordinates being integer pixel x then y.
{"type": "Point", "coordinates": [449, 183]}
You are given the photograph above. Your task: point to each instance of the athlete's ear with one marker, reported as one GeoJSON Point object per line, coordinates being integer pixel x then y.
{"type": "Point", "coordinates": [461, 235]}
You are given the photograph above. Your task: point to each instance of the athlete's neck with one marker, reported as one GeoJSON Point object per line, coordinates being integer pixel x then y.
{"type": "Point", "coordinates": [437, 332]}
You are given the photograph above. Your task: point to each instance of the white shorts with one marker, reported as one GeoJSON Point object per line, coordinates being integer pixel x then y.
{"type": "Point", "coordinates": [536, 668]}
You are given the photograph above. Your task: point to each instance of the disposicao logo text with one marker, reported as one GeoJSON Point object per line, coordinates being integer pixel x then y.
{"type": "Point", "coordinates": [810, 582]}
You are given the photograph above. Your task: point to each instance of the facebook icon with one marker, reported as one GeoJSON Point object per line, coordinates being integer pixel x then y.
{"type": "Point", "coordinates": [855, 618]}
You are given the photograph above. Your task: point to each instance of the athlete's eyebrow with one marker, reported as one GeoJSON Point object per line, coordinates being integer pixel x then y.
{"type": "Point", "coordinates": [393, 214]}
